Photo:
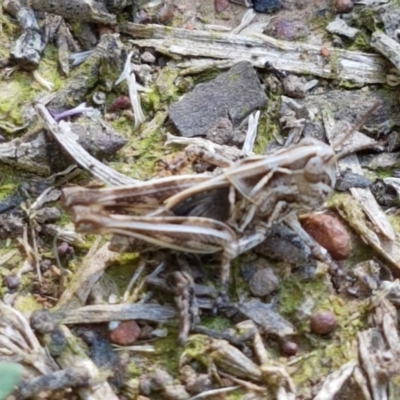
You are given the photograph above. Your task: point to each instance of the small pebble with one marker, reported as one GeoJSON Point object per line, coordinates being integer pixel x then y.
{"type": "Point", "coordinates": [146, 332]}
{"type": "Point", "coordinates": [221, 5]}
{"type": "Point", "coordinates": [11, 282]}
{"type": "Point", "coordinates": [344, 6]}
{"type": "Point", "coordinates": [41, 321]}
{"type": "Point", "coordinates": [288, 29]}
{"type": "Point", "coordinates": [129, 115]}
{"type": "Point", "coordinates": [45, 265]}
{"type": "Point", "coordinates": [165, 14]}
{"type": "Point", "coordinates": [120, 103]}
{"type": "Point", "coordinates": [110, 117]}
{"type": "Point", "coordinates": [289, 348]}
{"type": "Point", "coordinates": [330, 233]}
{"type": "Point", "coordinates": [323, 322]}
{"type": "Point", "coordinates": [264, 282]}
{"type": "Point", "coordinates": [126, 333]}
{"type": "Point", "coordinates": [159, 333]}
{"type": "Point", "coordinates": [147, 57]}
{"type": "Point", "coordinates": [325, 52]}
{"type": "Point", "coordinates": [63, 249]}
{"type": "Point", "coordinates": [294, 86]}
{"type": "Point", "coordinates": [112, 325]}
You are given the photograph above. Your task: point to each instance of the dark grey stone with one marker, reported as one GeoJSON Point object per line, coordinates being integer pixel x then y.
{"type": "Point", "coordinates": [283, 244]}
{"type": "Point", "coordinates": [349, 179]}
{"type": "Point", "coordinates": [267, 6]}
{"type": "Point", "coordinates": [233, 94]}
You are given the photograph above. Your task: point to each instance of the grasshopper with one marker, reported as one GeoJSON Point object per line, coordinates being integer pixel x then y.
{"type": "Point", "coordinates": [229, 213]}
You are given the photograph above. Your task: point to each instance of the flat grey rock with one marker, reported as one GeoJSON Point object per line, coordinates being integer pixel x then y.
{"type": "Point", "coordinates": [233, 94]}
{"type": "Point", "coordinates": [262, 314]}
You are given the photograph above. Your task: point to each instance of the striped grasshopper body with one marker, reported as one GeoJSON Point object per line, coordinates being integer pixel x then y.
{"type": "Point", "coordinates": [229, 213]}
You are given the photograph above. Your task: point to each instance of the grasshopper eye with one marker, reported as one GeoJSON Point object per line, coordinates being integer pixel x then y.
{"type": "Point", "coordinates": [313, 170]}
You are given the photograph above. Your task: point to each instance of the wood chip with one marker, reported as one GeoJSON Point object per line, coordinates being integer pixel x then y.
{"type": "Point", "coordinates": [120, 312]}
{"type": "Point", "coordinates": [364, 196]}
{"type": "Point", "coordinates": [297, 57]}
{"type": "Point", "coordinates": [92, 268]}
{"type": "Point", "coordinates": [335, 381]}
{"type": "Point", "coordinates": [387, 46]}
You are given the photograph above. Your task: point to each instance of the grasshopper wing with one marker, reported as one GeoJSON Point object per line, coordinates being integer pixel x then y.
{"type": "Point", "coordinates": [141, 197]}
{"type": "Point", "coordinates": [188, 234]}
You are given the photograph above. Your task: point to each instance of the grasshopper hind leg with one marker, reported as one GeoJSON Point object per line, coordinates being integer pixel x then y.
{"type": "Point", "coordinates": [232, 250]}
{"type": "Point", "coordinates": [185, 299]}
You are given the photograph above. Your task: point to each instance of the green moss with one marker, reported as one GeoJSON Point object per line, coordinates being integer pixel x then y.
{"type": "Point", "coordinates": [361, 42]}
{"type": "Point", "coordinates": [383, 173]}
{"type": "Point", "coordinates": [206, 76]}
{"type": "Point", "coordinates": [165, 85]}
{"type": "Point", "coordinates": [22, 88]}
{"type": "Point", "coordinates": [133, 370]}
{"type": "Point", "coordinates": [319, 21]}
{"type": "Point", "coordinates": [217, 323]}
{"type": "Point", "coordinates": [10, 29]}
{"type": "Point", "coordinates": [9, 182]}
{"type": "Point", "coordinates": [323, 354]}
{"type": "Point", "coordinates": [196, 348]}
{"type": "Point", "coordinates": [168, 352]}
{"type": "Point", "coordinates": [320, 363]}
{"type": "Point", "coordinates": [205, 11]}
{"type": "Point", "coordinates": [224, 16]}
{"type": "Point", "coordinates": [268, 124]}
{"type": "Point", "coordinates": [334, 59]}
{"type": "Point", "coordinates": [294, 292]}
{"type": "Point", "coordinates": [152, 100]}
{"type": "Point", "coordinates": [367, 19]}
{"type": "Point", "coordinates": [359, 252]}
{"type": "Point", "coordinates": [144, 147]}
{"type": "Point", "coordinates": [164, 92]}
{"type": "Point", "coordinates": [349, 84]}
{"type": "Point", "coordinates": [27, 304]}
{"type": "Point", "coordinates": [395, 222]}
{"type": "Point", "coordinates": [14, 93]}
{"type": "Point", "coordinates": [236, 395]}
{"type": "Point", "coordinates": [184, 84]}
{"type": "Point", "coordinates": [122, 272]}
{"type": "Point", "coordinates": [49, 68]}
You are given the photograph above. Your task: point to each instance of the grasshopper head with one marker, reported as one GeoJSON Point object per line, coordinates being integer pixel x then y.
{"type": "Point", "coordinates": [318, 175]}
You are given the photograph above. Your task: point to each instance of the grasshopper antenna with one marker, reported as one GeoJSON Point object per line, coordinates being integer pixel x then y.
{"type": "Point", "coordinates": [357, 126]}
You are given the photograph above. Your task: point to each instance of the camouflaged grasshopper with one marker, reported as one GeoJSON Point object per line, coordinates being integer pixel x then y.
{"type": "Point", "coordinates": [229, 213]}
